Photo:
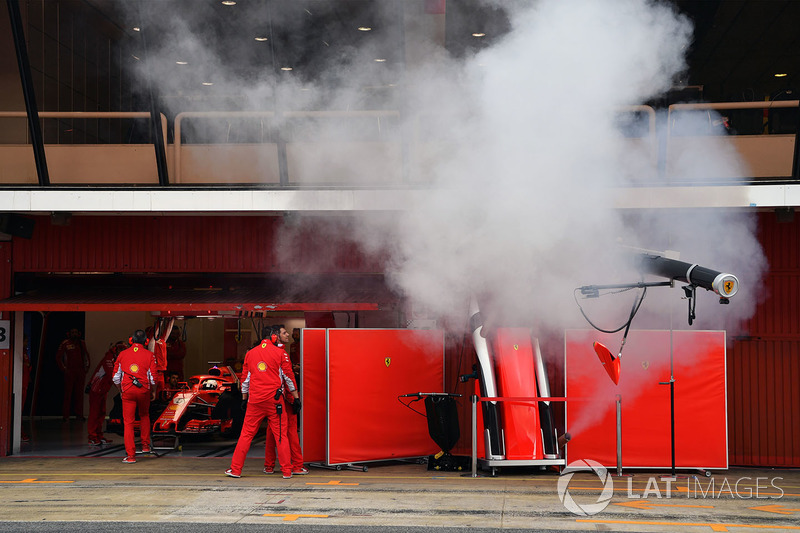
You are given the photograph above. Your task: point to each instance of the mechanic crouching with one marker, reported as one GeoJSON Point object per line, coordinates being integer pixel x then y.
{"type": "Point", "coordinates": [134, 373]}
{"type": "Point", "coordinates": [264, 373]}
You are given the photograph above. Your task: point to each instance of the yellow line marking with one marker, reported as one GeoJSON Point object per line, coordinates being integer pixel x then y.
{"type": "Point", "coordinates": [335, 482]}
{"type": "Point", "coordinates": [294, 517]}
{"type": "Point", "coordinates": [646, 505]}
{"type": "Point", "coordinates": [33, 480]}
{"type": "Point", "coordinates": [714, 527]}
{"type": "Point", "coordinates": [775, 508]}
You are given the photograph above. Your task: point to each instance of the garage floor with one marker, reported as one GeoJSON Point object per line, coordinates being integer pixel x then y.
{"type": "Point", "coordinates": [50, 437]}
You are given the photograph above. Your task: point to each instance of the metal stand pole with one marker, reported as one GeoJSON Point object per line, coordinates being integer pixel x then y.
{"type": "Point", "coordinates": [474, 436]}
{"type": "Point", "coordinates": [672, 419]}
{"type": "Point", "coordinates": [619, 439]}
{"type": "Point", "coordinates": [619, 435]}
{"type": "Point", "coordinates": [671, 384]}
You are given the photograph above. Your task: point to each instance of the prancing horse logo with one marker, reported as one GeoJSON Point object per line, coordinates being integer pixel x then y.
{"type": "Point", "coordinates": [388, 361]}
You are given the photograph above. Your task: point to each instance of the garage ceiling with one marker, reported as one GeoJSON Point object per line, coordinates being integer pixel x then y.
{"type": "Point", "coordinates": [739, 45]}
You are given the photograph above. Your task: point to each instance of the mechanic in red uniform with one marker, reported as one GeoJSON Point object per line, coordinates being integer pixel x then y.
{"type": "Point", "coordinates": [98, 387]}
{"type": "Point", "coordinates": [134, 373]}
{"type": "Point", "coordinates": [72, 358]}
{"type": "Point", "coordinates": [265, 371]}
{"type": "Point", "coordinates": [176, 353]}
{"type": "Point", "coordinates": [293, 409]}
{"type": "Point", "coordinates": [158, 345]}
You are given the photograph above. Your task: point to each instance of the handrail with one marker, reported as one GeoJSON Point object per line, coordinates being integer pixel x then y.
{"type": "Point", "coordinates": [361, 113]}
{"type": "Point", "coordinates": [89, 114]}
{"type": "Point", "coordinates": [201, 114]}
{"type": "Point", "coordinates": [738, 105]}
{"type": "Point", "coordinates": [255, 114]}
{"type": "Point", "coordinates": [775, 104]}
{"type": "Point", "coordinates": [651, 117]}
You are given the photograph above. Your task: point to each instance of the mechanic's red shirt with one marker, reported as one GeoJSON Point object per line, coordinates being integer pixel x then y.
{"type": "Point", "coordinates": [288, 360]}
{"type": "Point", "coordinates": [161, 354]}
{"type": "Point", "coordinates": [100, 382]}
{"type": "Point", "coordinates": [135, 361]}
{"type": "Point", "coordinates": [266, 368]}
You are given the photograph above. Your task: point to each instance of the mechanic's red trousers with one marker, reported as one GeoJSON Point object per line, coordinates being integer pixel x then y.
{"type": "Point", "coordinates": [275, 424]}
{"type": "Point", "coordinates": [133, 399]}
{"type": "Point", "coordinates": [97, 414]}
{"type": "Point", "coordinates": [73, 392]}
{"type": "Point", "coordinates": [294, 444]}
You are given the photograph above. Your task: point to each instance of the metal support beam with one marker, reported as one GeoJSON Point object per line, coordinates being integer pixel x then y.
{"type": "Point", "coordinates": [28, 92]}
{"type": "Point", "coordinates": [796, 157]}
{"type": "Point", "coordinates": [155, 117]}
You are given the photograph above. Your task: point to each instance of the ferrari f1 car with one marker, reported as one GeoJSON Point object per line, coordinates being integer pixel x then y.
{"type": "Point", "coordinates": [207, 404]}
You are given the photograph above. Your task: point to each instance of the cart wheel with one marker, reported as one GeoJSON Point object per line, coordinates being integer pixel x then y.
{"type": "Point", "coordinates": [338, 467]}
{"type": "Point", "coordinates": [363, 468]}
{"type": "Point", "coordinates": [494, 471]}
{"type": "Point", "coordinates": [708, 473]}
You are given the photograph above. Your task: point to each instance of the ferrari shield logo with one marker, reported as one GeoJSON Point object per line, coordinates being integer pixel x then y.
{"type": "Point", "coordinates": [516, 346]}
{"type": "Point", "coordinates": [728, 285]}
{"type": "Point", "coordinates": [645, 364]}
{"type": "Point", "coordinates": [388, 361]}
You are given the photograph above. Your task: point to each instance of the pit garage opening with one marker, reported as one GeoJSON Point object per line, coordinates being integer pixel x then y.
{"type": "Point", "coordinates": [214, 325]}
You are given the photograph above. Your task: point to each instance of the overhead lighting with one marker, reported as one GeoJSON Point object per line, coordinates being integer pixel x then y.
{"type": "Point", "coordinates": [208, 83]}
{"type": "Point", "coordinates": [136, 58]}
{"type": "Point", "coordinates": [287, 68]}
{"type": "Point", "coordinates": [261, 39]}
{"type": "Point", "coordinates": [381, 60]}
{"type": "Point", "coordinates": [479, 34]}
{"type": "Point", "coordinates": [136, 28]}
{"type": "Point", "coordinates": [228, 3]}
{"type": "Point", "coordinates": [181, 62]}
{"type": "Point", "coordinates": [781, 75]}
{"type": "Point", "coordinates": [364, 28]}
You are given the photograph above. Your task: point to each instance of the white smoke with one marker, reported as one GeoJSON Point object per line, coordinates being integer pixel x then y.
{"type": "Point", "coordinates": [520, 205]}
{"type": "Point", "coordinates": [519, 150]}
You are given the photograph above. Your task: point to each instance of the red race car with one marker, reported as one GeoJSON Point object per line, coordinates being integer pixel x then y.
{"type": "Point", "coordinates": [205, 405]}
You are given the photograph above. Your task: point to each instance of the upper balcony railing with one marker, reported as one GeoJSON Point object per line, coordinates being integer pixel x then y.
{"type": "Point", "coordinates": [132, 163]}
{"type": "Point", "coordinates": [376, 149]}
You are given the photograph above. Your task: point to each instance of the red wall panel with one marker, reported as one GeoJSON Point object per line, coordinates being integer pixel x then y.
{"type": "Point", "coordinates": [700, 415]}
{"type": "Point", "coordinates": [764, 363]}
{"type": "Point", "coordinates": [765, 407]}
{"type": "Point", "coordinates": [314, 394]}
{"type": "Point", "coordinates": [186, 244]}
{"type": "Point", "coordinates": [367, 371]}
{"type": "Point", "coordinates": [5, 355]}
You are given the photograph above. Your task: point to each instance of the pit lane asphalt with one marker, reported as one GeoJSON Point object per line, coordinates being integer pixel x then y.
{"type": "Point", "coordinates": [193, 494]}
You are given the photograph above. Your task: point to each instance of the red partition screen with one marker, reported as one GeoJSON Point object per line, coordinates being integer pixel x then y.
{"type": "Point", "coordinates": [700, 399]}
{"type": "Point", "coordinates": [367, 370]}
{"type": "Point", "coordinates": [314, 392]}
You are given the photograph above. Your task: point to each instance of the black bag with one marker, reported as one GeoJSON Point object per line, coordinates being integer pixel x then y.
{"type": "Point", "coordinates": [442, 414]}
